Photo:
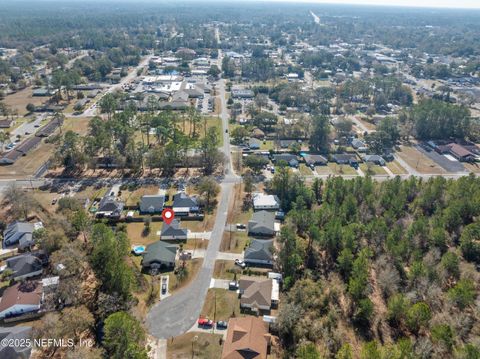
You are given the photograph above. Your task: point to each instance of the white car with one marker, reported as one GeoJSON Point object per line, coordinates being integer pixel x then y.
{"type": "Point", "coordinates": [240, 263]}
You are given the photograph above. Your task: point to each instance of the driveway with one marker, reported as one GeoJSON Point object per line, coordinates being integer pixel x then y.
{"type": "Point", "coordinates": [229, 256]}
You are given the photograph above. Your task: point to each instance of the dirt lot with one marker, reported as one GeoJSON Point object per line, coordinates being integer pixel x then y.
{"type": "Point", "coordinates": [419, 161]}
{"type": "Point", "coordinates": [19, 100]}
{"type": "Point", "coordinates": [198, 345]}
{"type": "Point", "coordinates": [76, 124]}
{"type": "Point", "coordinates": [472, 167]}
{"type": "Point", "coordinates": [234, 242]}
{"type": "Point", "coordinates": [223, 268]}
{"type": "Point", "coordinates": [193, 266]}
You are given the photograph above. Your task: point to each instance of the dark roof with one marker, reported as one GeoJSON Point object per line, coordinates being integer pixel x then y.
{"type": "Point", "coordinates": [28, 145]}
{"type": "Point", "coordinates": [24, 264]}
{"type": "Point", "coordinates": [314, 159]}
{"type": "Point", "coordinates": [181, 199]}
{"type": "Point", "coordinates": [344, 157]}
{"type": "Point", "coordinates": [287, 157]}
{"type": "Point", "coordinates": [159, 252]}
{"type": "Point", "coordinates": [259, 249]}
{"type": "Point", "coordinates": [262, 223]}
{"type": "Point", "coordinates": [152, 203]}
{"type": "Point", "coordinates": [49, 128]}
{"type": "Point", "coordinates": [5, 123]}
{"type": "Point", "coordinates": [374, 158]}
{"type": "Point", "coordinates": [110, 204]}
{"type": "Point", "coordinates": [16, 334]}
{"type": "Point", "coordinates": [173, 230]}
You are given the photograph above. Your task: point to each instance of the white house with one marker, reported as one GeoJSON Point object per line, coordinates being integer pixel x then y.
{"type": "Point", "coordinates": [265, 202]}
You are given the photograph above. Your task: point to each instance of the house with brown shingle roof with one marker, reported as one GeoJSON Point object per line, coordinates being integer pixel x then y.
{"type": "Point", "coordinates": [256, 294]}
{"type": "Point", "coordinates": [20, 299]}
{"type": "Point", "coordinates": [247, 338]}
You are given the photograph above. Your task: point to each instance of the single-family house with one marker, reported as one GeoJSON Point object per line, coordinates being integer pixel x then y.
{"type": "Point", "coordinates": [16, 336]}
{"type": "Point", "coordinates": [183, 204]}
{"type": "Point", "coordinates": [262, 224]}
{"type": "Point", "coordinates": [24, 266]}
{"type": "Point", "coordinates": [18, 235]}
{"type": "Point", "coordinates": [345, 159]}
{"type": "Point", "coordinates": [258, 294]}
{"type": "Point", "coordinates": [259, 252]}
{"type": "Point", "coordinates": [359, 145]}
{"type": "Point", "coordinates": [375, 159]}
{"type": "Point", "coordinates": [254, 143]}
{"type": "Point", "coordinates": [173, 232]}
{"type": "Point", "coordinates": [315, 160]}
{"type": "Point", "coordinates": [242, 93]}
{"type": "Point", "coordinates": [290, 159]}
{"type": "Point", "coordinates": [159, 255]}
{"type": "Point", "coordinates": [152, 204]}
{"type": "Point", "coordinates": [461, 153]}
{"type": "Point", "coordinates": [110, 207]}
{"type": "Point", "coordinates": [247, 338]}
{"type": "Point", "coordinates": [266, 202]}
{"type": "Point", "coordinates": [22, 298]}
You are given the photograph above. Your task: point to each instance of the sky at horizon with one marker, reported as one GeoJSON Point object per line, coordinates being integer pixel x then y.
{"type": "Point", "coordinates": [469, 4]}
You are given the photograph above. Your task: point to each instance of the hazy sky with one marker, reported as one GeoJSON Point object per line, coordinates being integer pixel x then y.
{"type": "Point", "coordinates": [425, 3]}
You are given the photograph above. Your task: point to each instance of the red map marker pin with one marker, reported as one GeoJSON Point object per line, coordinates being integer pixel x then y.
{"type": "Point", "coordinates": [168, 215]}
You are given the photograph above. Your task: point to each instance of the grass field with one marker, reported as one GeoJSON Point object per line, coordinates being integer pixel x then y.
{"type": "Point", "coordinates": [221, 304]}
{"type": "Point", "coordinates": [396, 168]}
{"type": "Point", "coordinates": [222, 269]}
{"type": "Point", "coordinates": [375, 170]}
{"type": "Point", "coordinates": [27, 165]}
{"type": "Point", "coordinates": [136, 233]}
{"type": "Point", "coordinates": [19, 100]}
{"type": "Point", "coordinates": [304, 170]}
{"type": "Point", "coordinates": [76, 124]}
{"type": "Point", "coordinates": [341, 169]}
{"type": "Point", "coordinates": [194, 345]}
{"type": "Point", "coordinates": [323, 170]}
{"type": "Point", "coordinates": [419, 161]}
{"type": "Point", "coordinates": [234, 242]}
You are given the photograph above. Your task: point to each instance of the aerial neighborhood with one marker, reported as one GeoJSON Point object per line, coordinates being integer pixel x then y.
{"type": "Point", "coordinates": [239, 180]}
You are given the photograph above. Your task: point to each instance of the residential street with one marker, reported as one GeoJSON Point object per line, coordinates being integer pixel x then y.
{"type": "Point", "coordinates": [178, 313]}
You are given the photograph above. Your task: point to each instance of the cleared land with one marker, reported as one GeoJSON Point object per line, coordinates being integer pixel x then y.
{"type": "Point", "coordinates": [18, 101]}
{"type": "Point", "coordinates": [195, 345]}
{"type": "Point", "coordinates": [419, 161]}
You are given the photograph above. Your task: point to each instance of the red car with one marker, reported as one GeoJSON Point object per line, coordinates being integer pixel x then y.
{"type": "Point", "coordinates": [205, 322]}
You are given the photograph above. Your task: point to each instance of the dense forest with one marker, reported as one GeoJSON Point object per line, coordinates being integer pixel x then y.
{"type": "Point", "coordinates": [385, 269]}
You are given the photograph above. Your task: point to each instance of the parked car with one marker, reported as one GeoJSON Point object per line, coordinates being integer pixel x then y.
{"type": "Point", "coordinates": [241, 226]}
{"type": "Point", "coordinates": [164, 288]}
{"type": "Point", "coordinates": [54, 201]}
{"type": "Point", "coordinates": [221, 324]}
{"type": "Point", "coordinates": [240, 263]}
{"type": "Point", "coordinates": [233, 285]}
{"type": "Point", "coordinates": [205, 322]}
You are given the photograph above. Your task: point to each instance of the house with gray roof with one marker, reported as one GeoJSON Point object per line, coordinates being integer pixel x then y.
{"type": "Point", "coordinates": [24, 266]}
{"type": "Point", "coordinates": [375, 159]}
{"type": "Point", "coordinates": [152, 204]}
{"type": "Point", "coordinates": [18, 235]}
{"type": "Point", "coordinates": [262, 224]}
{"type": "Point", "coordinates": [259, 252]}
{"type": "Point", "coordinates": [110, 207]}
{"type": "Point", "coordinates": [15, 335]}
{"type": "Point", "coordinates": [183, 204]}
{"type": "Point", "coordinates": [159, 256]}
{"type": "Point", "coordinates": [173, 232]}
{"type": "Point", "coordinates": [291, 160]}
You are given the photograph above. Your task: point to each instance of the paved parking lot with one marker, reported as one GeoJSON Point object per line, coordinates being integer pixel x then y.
{"type": "Point", "coordinates": [442, 161]}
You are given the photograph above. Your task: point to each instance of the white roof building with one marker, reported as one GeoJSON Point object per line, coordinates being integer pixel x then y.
{"type": "Point", "coordinates": [263, 201]}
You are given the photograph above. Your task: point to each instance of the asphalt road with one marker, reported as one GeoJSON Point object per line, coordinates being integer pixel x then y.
{"type": "Point", "coordinates": [176, 314]}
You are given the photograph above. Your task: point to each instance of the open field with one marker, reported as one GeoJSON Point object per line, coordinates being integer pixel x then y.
{"type": "Point", "coordinates": [304, 170]}
{"type": "Point", "coordinates": [193, 266]}
{"type": "Point", "coordinates": [223, 268]}
{"type": "Point", "coordinates": [323, 170]}
{"type": "Point", "coordinates": [132, 198]}
{"type": "Point", "coordinates": [19, 101]}
{"type": "Point", "coordinates": [221, 304]}
{"type": "Point", "coordinates": [419, 161]}
{"type": "Point", "coordinates": [26, 166]}
{"type": "Point", "coordinates": [234, 242]}
{"type": "Point", "coordinates": [76, 124]}
{"type": "Point", "coordinates": [472, 167]}
{"type": "Point", "coordinates": [198, 345]}
{"type": "Point", "coordinates": [375, 170]}
{"type": "Point", "coordinates": [341, 169]}
{"type": "Point", "coordinates": [396, 168]}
